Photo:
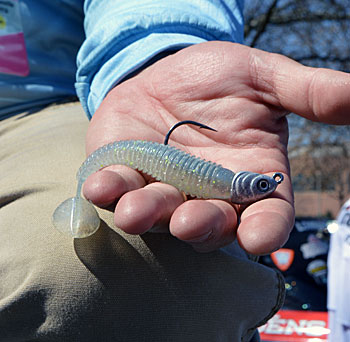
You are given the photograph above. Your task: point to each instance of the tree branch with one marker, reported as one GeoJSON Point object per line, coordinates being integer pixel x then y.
{"type": "Point", "coordinates": [265, 20]}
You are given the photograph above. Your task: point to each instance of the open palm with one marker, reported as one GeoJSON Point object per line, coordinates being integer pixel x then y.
{"type": "Point", "coordinates": [244, 94]}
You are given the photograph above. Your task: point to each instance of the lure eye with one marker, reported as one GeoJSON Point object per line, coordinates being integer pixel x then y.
{"type": "Point", "coordinates": [263, 185]}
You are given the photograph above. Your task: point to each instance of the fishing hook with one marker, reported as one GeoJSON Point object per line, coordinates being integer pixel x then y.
{"type": "Point", "coordinates": [186, 122]}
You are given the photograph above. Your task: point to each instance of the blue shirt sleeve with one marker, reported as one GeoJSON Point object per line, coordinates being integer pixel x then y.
{"type": "Point", "coordinates": [122, 36]}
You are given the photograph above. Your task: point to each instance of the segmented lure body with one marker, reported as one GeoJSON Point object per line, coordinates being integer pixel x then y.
{"type": "Point", "coordinates": [190, 174]}
{"type": "Point", "coordinates": [165, 163]}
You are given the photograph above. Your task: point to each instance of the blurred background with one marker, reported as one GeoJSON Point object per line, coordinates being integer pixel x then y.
{"type": "Point", "coordinates": [315, 33]}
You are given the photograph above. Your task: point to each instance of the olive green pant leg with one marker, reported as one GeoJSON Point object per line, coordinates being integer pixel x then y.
{"type": "Point", "coordinates": [110, 286]}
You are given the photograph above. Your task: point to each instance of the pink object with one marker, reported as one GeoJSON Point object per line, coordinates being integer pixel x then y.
{"type": "Point", "coordinates": [13, 55]}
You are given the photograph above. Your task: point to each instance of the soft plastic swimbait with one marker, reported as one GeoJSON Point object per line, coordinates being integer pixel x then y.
{"type": "Point", "coordinates": [190, 174]}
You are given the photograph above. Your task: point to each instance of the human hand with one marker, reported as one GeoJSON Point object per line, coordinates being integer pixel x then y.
{"type": "Point", "coordinates": [245, 95]}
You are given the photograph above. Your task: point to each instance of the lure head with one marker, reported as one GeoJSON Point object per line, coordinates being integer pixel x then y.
{"type": "Point", "coordinates": [248, 187]}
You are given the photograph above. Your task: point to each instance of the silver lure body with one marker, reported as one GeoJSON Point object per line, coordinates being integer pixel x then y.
{"type": "Point", "coordinates": [192, 175]}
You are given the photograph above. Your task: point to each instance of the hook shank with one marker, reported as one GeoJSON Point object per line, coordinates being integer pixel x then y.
{"type": "Point", "coordinates": [186, 122]}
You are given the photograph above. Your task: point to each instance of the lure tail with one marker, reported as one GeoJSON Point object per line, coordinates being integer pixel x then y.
{"type": "Point", "coordinates": [77, 217]}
